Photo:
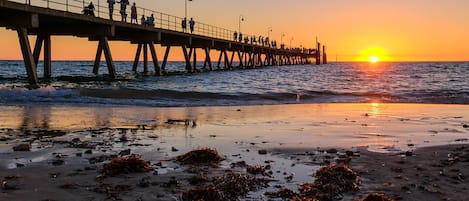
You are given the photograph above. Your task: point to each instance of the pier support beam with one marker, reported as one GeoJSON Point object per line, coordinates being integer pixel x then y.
{"type": "Point", "coordinates": [187, 58]}
{"type": "Point", "coordinates": [137, 57]}
{"type": "Point", "coordinates": [194, 65]}
{"type": "Point", "coordinates": [240, 58]}
{"type": "Point", "coordinates": [165, 59]}
{"type": "Point", "coordinates": [47, 57]}
{"type": "Point", "coordinates": [219, 59]}
{"type": "Point", "coordinates": [28, 58]}
{"type": "Point", "coordinates": [145, 46]}
{"type": "Point", "coordinates": [324, 56]}
{"type": "Point", "coordinates": [318, 54]}
{"type": "Point", "coordinates": [43, 40]}
{"type": "Point", "coordinates": [103, 46]}
{"type": "Point", "coordinates": [154, 58]}
{"type": "Point", "coordinates": [207, 59]}
{"type": "Point", "coordinates": [145, 58]}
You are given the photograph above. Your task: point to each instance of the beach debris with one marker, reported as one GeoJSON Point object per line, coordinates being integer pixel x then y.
{"type": "Point", "coordinates": [238, 164]}
{"type": "Point", "coordinates": [57, 162]}
{"type": "Point", "coordinates": [100, 159]}
{"type": "Point", "coordinates": [284, 193]}
{"type": "Point", "coordinates": [126, 165]}
{"type": "Point", "coordinates": [198, 179]}
{"type": "Point", "coordinates": [145, 182]}
{"type": "Point", "coordinates": [343, 159]}
{"type": "Point", "coordinates": [257, 169]}
{"type": "Point", "coordinates": [331, 151]}
{"type": "Point", "coordinates": [172, 182]}
{"type": "Point", "coordinates": [206, 193]}
{"type": "Point", "coordinates": [331, 182]}
{"type": "Point", "coordinates": [205, 156]}
{"type": "Point", "coordinates": [185, 122]}
{"type": "Point", "coordinates": [234, 185]}
{"type": "Point", "coordinates": [377, 197]}
{"type": "Point", "coordinates": [262, 152]}
{"type": "Point", "coordinates": [124, 152]}
{"type": "Point", "coordinates": [22, 147]}
{"type": "Point", "coordinates": [173, 149]}
{"type": "Point", "coordinates": [11, 182]}
{"type": "Point", "coordinates": [112, 191]}
{"type": "Point", "coordinates": [465, 126]}
{"type": "Point", "coordinates": [409, 153]}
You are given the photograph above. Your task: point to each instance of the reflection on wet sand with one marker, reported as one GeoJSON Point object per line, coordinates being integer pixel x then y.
{"type": "Point", "coordinates": [345, 125]}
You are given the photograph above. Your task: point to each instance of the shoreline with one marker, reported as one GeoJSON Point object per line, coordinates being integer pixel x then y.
{"type": "Point", "coordinates": [71, 144]}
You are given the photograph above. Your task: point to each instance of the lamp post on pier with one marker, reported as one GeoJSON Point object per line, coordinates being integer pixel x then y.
{"type": "Point", "coordinates": [185, 8]}
{"type": "Point", "coordinates": [281, 39]}
{"type": "Point", "coordinates": [269, 29]}
{"type": "Point", "coordinates": [241, 19]}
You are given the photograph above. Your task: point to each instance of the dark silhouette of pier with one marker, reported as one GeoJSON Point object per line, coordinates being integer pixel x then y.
{"type": "Point", "coordinates": [46, 18]}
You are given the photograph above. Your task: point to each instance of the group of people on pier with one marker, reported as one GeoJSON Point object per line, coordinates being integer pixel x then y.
{"type": "Point", "coordinates": [146, 21]}
{"type": "Point", "coordinates": [150, 21]}
{"type": "Point", "coordinates": [184, 25]}
{"type": "Point", "coordinates": [253, 40]}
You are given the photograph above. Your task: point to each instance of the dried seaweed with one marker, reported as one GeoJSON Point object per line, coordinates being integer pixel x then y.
{"type": "Point", "coordinates": [204, 194]}
{"type": "Point", "coordinates": [22, 147]}
{"type": "Point", "coordinates": [235, 185]}
{"type": "Point", "coordinates": [331, 182]}
{"type": "Point", "coordinates": [200, 156]}
{"type": "Point", "coordinates": [377, 197]}
{"type": "Point", "coordinates": [112, 191]}
{"type": "Point", "coordinates": [284, 193]}
{"type": "Point", "coordinates": [257, 169]}
{"type": "Point", "coordinates": [125, 165]}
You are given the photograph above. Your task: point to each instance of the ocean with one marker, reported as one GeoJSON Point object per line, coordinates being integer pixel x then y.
{"type": "Point", "coordinates": [394, 82]}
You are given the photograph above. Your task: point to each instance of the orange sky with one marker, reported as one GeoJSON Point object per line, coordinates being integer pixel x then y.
{"type": "Point", "coordinates": [393, 30]}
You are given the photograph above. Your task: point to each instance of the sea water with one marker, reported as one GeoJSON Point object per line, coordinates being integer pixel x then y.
{"type": "Point", "coordinates": [396, 82]}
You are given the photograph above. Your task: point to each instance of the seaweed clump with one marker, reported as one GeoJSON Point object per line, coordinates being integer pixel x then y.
{"type": "Point", "coordinates": [331, 182]}
{"type": "Point", "coordinates": [126, 165]}
{"type": "Point", "coordinates": [230, 186]}
{"type": "Point", "coordinates": [235, 185]}
{"type": "Point", "coordinates": [284, 193]}
{"type": "Point", "coordinates": [207, 193]}
{"type": "Point", "coordinates": [205, 156]}
{"type": "Point", "coordinates": [377, 197]}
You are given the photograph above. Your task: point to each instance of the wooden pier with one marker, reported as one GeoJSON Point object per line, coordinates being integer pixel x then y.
{"type": "Point", "coordinates": [27, 19]}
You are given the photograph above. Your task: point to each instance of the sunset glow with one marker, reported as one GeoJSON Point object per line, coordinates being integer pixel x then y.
{"type": "Point", "coordinates": [373, 59]}
{"type": "Point", "coordinates": [351, 31]}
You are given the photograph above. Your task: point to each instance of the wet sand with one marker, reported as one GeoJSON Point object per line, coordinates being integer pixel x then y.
{"type": "Point", "coordinates": [70, 145]}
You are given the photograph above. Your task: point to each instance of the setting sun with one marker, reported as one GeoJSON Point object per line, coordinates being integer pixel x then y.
{"type": "Point", "coordinates": [373, 59]}
{"type": "Point", "coordinates": [373, 54]}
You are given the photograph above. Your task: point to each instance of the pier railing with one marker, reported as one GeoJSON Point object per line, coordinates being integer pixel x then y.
{"type": "Point", "coordinates": [161, 20]}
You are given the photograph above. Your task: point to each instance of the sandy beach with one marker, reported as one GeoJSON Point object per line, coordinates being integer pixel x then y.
{"type": "Point", "coordinates": [407, 151]}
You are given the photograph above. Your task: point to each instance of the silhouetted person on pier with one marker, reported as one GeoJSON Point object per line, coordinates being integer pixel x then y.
{"type": "Point", "coordinates": [111, 7]}
{"type": "Point", "coordinates": [240, 37]}
{"type": "Point", "coordinates": [191, 25]}
{"type": "Point", "coordinates": [123, 11]}
{"type": "Point", "coordinates": [143, 20]}
{"type": "Point", "coordinates": [235, 36]}
{"type": "Point", "coordinates": [133, 14]}
{"type": "Point", "coordinates": [184, 25]}
{"type": "Point", "coordinates": [151, 20]}
{"type": "Point", "coordinates": [89, 10]}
